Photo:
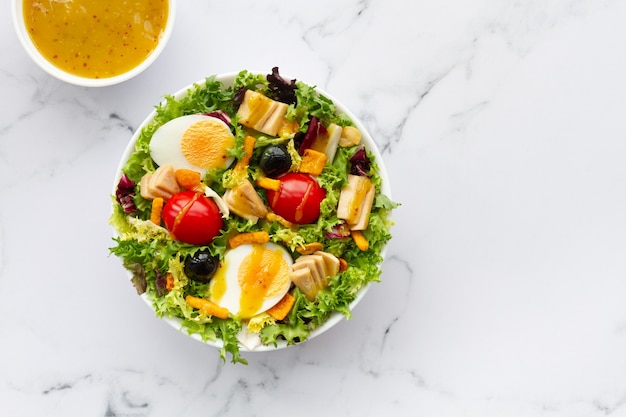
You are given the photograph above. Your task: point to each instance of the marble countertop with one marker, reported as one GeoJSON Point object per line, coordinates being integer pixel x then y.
{"type": "Point", "coordinates": [503, 293]}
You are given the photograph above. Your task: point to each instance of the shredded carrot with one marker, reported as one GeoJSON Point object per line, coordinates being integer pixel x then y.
{"type": "Point", "coordinates": [273, 217]}
{"type": "Point", "coordinates": [280, 310]}
{"type": "Point", "coordinates": [169, 282]}
{"type": "Point", "coordinates": [309, 248]}
{"type": "Point", "coordinates": [248, 148]}
{"type": "Point", "coordinates": [343, 265]}
{"type": "Point", "coordinates": [360, 240]}
{"type": "Point", "coordinates": [157, 209]}
{"type": "Point", "coordinates": [187, 178]}
{"type": "Point", "coordinates": [207, 307]}
{"type": "Point", "coordinates": [249, 237]}
{"type": "Point", "coordinates": [268, 183]}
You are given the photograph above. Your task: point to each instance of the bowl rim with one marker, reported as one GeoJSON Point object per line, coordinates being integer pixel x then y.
{"type": "Point", "coordinates": [43, 63]}
{"type": "Point", "coordinates": [227, 80]}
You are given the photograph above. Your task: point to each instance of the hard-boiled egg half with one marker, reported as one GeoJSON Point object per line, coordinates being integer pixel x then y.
{"type": "Point", "coordinates": [197, 142]}
{"type": "Point", "coordinates": [251, 279]}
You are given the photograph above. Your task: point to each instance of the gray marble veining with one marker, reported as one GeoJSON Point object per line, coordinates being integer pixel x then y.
{"type": "Point", "coordinates": [501, 124]}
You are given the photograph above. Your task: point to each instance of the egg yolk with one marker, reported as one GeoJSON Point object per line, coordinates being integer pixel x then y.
{"type": "Point", "coordinates": [262, 274]}
{"type": "Point", "coordinates": [218, 283]}
{"type": "Point", "coordinates": [95, 39]}
{"type": "Point", "coordinates": [205, 144]}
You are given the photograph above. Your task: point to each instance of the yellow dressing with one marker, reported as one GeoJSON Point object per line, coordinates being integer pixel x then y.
{"type": "Point", "coordinates": [356, 205]}
{"type": "Point", "coordinates": [259, 106]}
{"type": "Point", "coordinates": [320, 143]}
{"type": "Point", "coordinates": [95, 39]}
{"type": "Point", "coordinates": [262, 274]}
{"type": "Point", "coordinates": [218, 283]}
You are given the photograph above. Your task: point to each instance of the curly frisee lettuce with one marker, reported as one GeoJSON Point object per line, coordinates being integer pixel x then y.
{"type": "Point", "coordinates": [331, 258]}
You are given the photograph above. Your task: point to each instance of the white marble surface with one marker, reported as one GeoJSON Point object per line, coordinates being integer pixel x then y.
{"type": "Point", "coordinates": [502, 124]}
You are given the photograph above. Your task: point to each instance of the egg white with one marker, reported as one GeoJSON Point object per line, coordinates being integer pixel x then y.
{"type": "Point", "coordinates": [165, 144]}
{"type": "Point", "coordinates": [229, 269]}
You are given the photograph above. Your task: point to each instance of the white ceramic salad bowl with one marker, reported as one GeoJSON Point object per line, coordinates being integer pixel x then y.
{"type": "Point", "coordinates": [227, 81]}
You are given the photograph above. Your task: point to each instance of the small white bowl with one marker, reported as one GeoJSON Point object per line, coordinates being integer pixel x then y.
{"type": "Point", "coordinates": [47, 66]}
{"type": "Point", "coordinates": [366, 139]}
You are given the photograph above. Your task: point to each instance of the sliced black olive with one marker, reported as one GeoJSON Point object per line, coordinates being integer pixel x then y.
{"type": "Point", "coordinates": [275, 160]}
{"type": "Point", "coordinates": [201, 266]}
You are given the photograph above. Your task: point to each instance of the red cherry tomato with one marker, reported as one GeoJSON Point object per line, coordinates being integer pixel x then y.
{"type": "Point", "coordinates": [298, 199]}
{"type": "Point", "coordinates": [192, 218]}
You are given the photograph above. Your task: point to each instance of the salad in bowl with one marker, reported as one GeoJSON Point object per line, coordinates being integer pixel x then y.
{"type": "Point", "coordinates": [251, 211]}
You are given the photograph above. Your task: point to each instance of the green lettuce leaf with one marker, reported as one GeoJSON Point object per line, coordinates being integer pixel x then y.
{"type": "Point", "coordinates": [148, 250]}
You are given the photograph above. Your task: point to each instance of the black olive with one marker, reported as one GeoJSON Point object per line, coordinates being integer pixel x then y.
{"type": "Point", "coordinates": [201, 266]}
{"type": "Point", "coordinates": [275, 160]}
{"type": "Point", "coordinates": [298, 138]}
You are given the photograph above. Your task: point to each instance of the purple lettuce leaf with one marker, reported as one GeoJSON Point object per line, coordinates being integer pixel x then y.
{"type": "Point", "coordinates": [360, 163]}
{"type": "Point", "coordinates": [125, 193]}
